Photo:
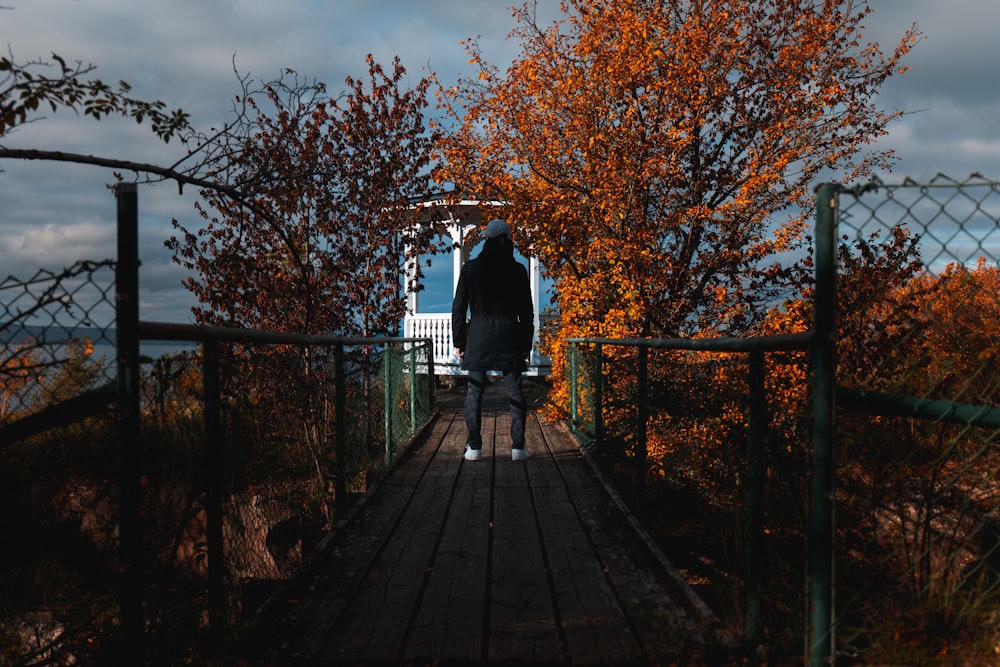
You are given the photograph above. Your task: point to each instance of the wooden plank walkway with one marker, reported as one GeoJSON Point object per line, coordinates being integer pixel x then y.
{"type": "Point", "coordinates": [492, 561]}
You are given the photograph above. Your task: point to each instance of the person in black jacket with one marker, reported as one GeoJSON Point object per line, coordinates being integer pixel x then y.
{"type": "Point", "coordinates": [494, 287]}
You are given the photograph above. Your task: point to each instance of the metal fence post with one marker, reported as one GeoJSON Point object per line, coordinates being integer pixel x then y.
{"type": "Point", "coordinates": [129, 425]}
{"type": "Point", "coordinates": [573, 391]}
{"type": "Point", "coordinates": [387, 365]}
{"type": "Point", "coordinates": [413, 389]}
{"type": "Point", "coordinates": [340, 432]}
{"type": "Point", "coordinates": [642, 416]}
{"type": "Point", "coordinates": [599, 394]}
{"type": "Point", "coordinates": [820, 643]}
{"type": "Point", "coordinates": [214, 472]}
{"type": "Point", "coordinates": [754, 495]}
{"type": "Point", "coordinates": [430, 373]}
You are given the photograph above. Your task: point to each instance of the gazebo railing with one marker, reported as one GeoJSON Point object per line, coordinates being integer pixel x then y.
{"type": "Point", "coordinates": [437, 327]}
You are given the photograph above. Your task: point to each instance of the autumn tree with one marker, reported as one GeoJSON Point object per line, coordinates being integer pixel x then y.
{"type": "Point", "coordinates": [319, 243]}
{"type": "Point", "coordinates": [29, 89]}
{"type": "Point", "coordinates": [960, 316]}
{"type": "Point", "coordinates": [647, 150]}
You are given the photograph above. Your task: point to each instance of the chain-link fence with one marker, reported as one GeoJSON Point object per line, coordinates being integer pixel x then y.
{"type": "Point", "coordinates": [297, 443]}
{"type": "Point", "coordinates": [50, 326]}
{"type": "Point", "coordinates": [917, 458]}
{"type": "Point", "coordinates": [720, 452]}
{"type": "Point", "coordinates": [142, 533]}
{"type": "Point", "coordinates": [57, 586]}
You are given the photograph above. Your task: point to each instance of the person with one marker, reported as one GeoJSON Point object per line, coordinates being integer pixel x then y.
{"type": "Point", "coordinates": [493, 290]}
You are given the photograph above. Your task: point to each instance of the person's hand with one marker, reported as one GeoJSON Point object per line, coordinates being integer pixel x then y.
{"type": "Point", "coordinates": [460, 353]}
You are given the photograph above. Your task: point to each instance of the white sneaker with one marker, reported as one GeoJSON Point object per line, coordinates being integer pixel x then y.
{"type": "Point", "coordinates": [519, 454]}
{"type": "Point", "coordinates": [472, 454]}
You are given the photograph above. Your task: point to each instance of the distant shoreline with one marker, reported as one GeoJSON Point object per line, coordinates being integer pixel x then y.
{"type": "Point", "coordinates": [58, 334]}
{"type": "Point", "coordinates": [102, 340]}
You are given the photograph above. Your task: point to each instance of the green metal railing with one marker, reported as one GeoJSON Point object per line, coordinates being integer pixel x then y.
{"type": "Point", "coordinates": [215, 340]}
{"type": "Point", "coordinates": [201, 460]}
{"type": "Point", "coordinates": [917, 431]}
{"type": "Point", "coordinates": [912, 476]}
{"type": "Point", "coordinates": [419, 356]}
{"type": "Point", "coordinates": [589, 424]}
{"type": "Point", "coordinates": [820, 343]}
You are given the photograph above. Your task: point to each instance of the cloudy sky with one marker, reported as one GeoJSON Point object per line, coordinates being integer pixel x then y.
{"type": "Point", "coordinates": [182, 52]}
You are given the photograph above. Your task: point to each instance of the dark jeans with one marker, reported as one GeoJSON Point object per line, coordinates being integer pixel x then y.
{"type": "Point", "coordinates": [474, 404]}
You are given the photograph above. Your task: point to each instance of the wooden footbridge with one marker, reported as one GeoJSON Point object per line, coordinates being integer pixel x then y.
{"type": "Point", "coordinates": [455, 562]}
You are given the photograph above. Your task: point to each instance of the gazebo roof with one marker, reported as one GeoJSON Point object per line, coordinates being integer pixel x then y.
{"type": "Point", "coordinates": [451, 207]}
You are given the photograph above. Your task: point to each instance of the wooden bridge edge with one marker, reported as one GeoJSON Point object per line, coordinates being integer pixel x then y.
{"type": "Point", "coordinates": [705, 615]}
{"type": "Point", "coordinates": [306, 568]}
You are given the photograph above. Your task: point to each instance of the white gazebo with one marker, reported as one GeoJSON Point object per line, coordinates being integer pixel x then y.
{"type": "Point", "coordinates": [462, 219]}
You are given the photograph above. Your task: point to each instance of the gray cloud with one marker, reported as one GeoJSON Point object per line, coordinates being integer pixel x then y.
{"type": "Point", "coordinates": [951, 93]}
{"type": "Point", "coordinates": [182, 52]}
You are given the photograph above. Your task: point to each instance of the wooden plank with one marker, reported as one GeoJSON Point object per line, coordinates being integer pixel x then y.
{"type": "Point", "coordinates": [296, 621]}
{"type": "Point", "coordinates": [489, 561]}
{"type": "Point", "coordinates": [522, 616]}
{"type": "Point", "coordinates": [592, 618]}
{"type": "Point", "coordinates": [669, 620]}
{"type": "Point", "coordinates": [449, 624]}
{"type": "Point", "coordinates": [373, 625]}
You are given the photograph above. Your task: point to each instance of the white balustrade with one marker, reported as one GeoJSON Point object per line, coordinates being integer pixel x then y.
{"type": "Point", "coordinates": [437, 327]}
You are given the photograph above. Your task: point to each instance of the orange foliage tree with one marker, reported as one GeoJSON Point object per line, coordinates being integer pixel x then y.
{"type": "Point", "coordinates": [961, 338]}
{"type": "Point", "coordinates": [881, 294]}
{"type": "Point", "coordinates": [900, 330]}
{"type": "Point", "coordinates": [916, 566]}
{"type": "Point", "coordinates": [19, 370]}
{"type": "Point", "coordinates": [646, 150]}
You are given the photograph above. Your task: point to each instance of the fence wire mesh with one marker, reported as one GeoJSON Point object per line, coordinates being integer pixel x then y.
{"type": "Point", "coordinates": [50, 325]}
{"type": "Point", "coordinates": [918, 503]}
{"type": "Point", "coordinates": [56, 567]}
{"type": "Point", "coordinates": [692, 492]}
{"type": "Point", "coordinates": [58, 486]}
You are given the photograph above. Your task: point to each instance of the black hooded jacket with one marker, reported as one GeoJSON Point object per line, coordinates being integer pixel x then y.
{"type": "Point", "coordinates": [494, 287]}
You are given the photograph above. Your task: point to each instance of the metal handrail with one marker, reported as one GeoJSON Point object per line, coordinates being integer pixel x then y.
{"type": "Point", "coordinates": [773, 343]}
{"type": "Point", "coordinates": [212, 337]}
{"type": "Point", "coordinates": [755, 347]}
{"type": "Point", "coordinates": [202, 333]}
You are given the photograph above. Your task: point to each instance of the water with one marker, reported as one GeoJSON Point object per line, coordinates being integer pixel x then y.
{"type": "Point", "coordinates": [154, 349]}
